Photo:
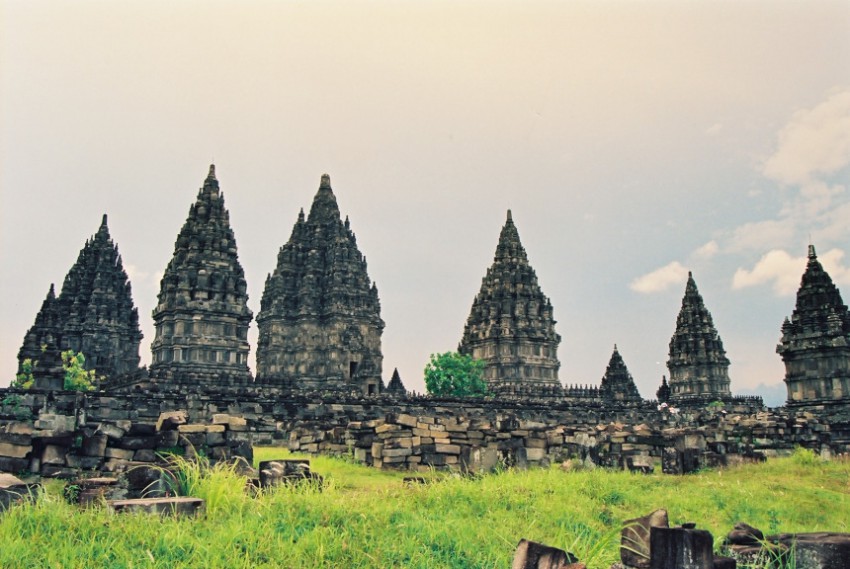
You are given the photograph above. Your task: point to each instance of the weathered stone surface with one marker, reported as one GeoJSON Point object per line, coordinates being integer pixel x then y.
{"type": "Point", "coordinates": [510, 325]}
{"type": "Point", "coordinates": [745, 534]}
{"type": "Point", "coordinates": [320, 319]}
{"type": "Point", "coordinates": [698, 364]}
{"type": "Point", "coordinates": [815, 344]}
{"type": "Point", "coordinates": [617, 383]}
{"type": "Point", "coordinates": [14, 451]}
{"type": "Point", "coordinates": [635, 545]}
{"type": "Point", "coordinates": [533, 555]}
{"type": "Point", "coordinates": [170, 420]}
{"type": "Point", "coordinates": [202, 315]}
{"type": "Point", "coordinates": [179, 506]}
{"type": "Point", "coordinates": [94, 314]}
{"type": "Point", "coordinates": [681, 548]}
{"type": "Point", "coordinates": [14, 490]}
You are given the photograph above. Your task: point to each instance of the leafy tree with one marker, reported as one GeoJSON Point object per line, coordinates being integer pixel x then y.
{"type": "Point", "coordinates": [455, 374]}
{"type": "Point", "coordinates": [24, 380]}
{"type": "Point", "coordinates": [77, 377]}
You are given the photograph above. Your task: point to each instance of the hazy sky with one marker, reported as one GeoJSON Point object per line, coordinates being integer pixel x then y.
{"type": "Point", "coordinates": [633, 141]}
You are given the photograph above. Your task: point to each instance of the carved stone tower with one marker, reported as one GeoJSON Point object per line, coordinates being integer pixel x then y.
{"type": "Point", "coordinates": [96, 303]}
{"type": "Point", "coordinates": [42, 345]}
{"type": "Point", "coordinates": [202, 316]}
{"type": "Point", "coordinates": [815, 343]}
{"type": "Point", "coordinates": [320, 317]}
{"type": "Point", "coordinates": [698, 364]}
{"type": "Point", "coordinates": [94, 314]}
{"type": "Point", "coordinates": [617, 383]}
{"type": "Point", "coordinates": [395, 386]}
{"type": "Point", "coordinates": [510, 326]}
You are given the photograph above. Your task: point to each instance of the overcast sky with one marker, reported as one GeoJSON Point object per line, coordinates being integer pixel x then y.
{"type": "Point", "coordinates": [633, 141]}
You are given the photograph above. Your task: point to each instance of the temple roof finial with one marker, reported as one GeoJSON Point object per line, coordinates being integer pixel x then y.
{"type": "Point", "coordinates": [510, 217]}
{"type": "Point", "coordinates": [812, 254]}
{"type": "Point", "coordinates": [103, 221]}
{"type": "Point", "coordinates": [326, 181]}
{"type": "Point", "coordinates": [211, 175]}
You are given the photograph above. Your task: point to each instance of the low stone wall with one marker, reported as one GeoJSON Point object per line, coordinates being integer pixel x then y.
{"type": "Point", "coordinates": [62, 446]}
{"type": "Point", "coordinates": [404, 441]}
{"type": "Point", "coordinates": [416, 432]}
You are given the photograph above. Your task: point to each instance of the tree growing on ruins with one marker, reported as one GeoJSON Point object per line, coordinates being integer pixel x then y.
{"type": "Point", "coordinates": [455, 374]}
{"type": "Point", "coordinates": [77, 377]}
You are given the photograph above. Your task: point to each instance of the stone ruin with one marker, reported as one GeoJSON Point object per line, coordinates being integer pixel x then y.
{"type": "Point", "coordinates": [319, 363]}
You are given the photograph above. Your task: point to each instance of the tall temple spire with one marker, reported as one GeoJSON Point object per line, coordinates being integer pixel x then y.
{"type": "Point", "coordinates": [617, 383]}
{"type": "Point", "coordinates": [510, 325]}
{"type": "Point", "coordinates": [202, 316]}
{"type": "Point", "coordinates": [815, 344]}
{"type": "Point", "coordinates": [698, 364]}
{"type": "Point", "coordinates": [320, 318]}
{"type": "Point", "coordinates": [42, 341]}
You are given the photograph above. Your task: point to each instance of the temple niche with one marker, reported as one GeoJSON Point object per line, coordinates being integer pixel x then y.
{"type": "Point", "coordinates": [511, 327]}
{"type": "Point", "coordinates": [320, 318]}
{"type": "Point", "coordinates": [202, 315]}
{"type": "Point", "coordinates": [815, 344]}
{"type": "Point", "coordinates": [94, 314]}
{"type": "Point", "coordinates": [617, 384]}
{"type": "Point", "coordinates": [699, 368]}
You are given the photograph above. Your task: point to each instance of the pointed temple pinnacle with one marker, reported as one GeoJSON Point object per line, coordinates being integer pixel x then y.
{"type": "Point", "coordinates": [326, 181]}
{"type": "Point", "coordinates": [103, 222]}
{"type": "Point", "coordinates": [510, 217]}
{"type": "Point", "coordinates": [812, 254]}
{"type": "Point", "coordinates": [211, 175]}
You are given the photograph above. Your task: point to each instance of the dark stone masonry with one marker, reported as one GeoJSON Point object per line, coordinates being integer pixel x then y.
{"type": "Point", "coordinates": [202, 316]}
{"type": "Point", "coordinates": [320, 386]}
{"type": "Point", "coordinates": [320, 318]}
{"type": "Point", "coordinates": [511, 326]}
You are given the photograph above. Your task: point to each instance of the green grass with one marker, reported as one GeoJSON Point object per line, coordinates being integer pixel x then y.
{"type": "Point", "coordinates": [369, 518]}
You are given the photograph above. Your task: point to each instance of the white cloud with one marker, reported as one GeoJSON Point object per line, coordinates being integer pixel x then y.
{"type": "Point", "coordinates": [762, 235]}
{"type": "Point", "coordinates": [815, 143]}
{"type": "Point", "coordinates": [707, 251]}
{"type": "Point", "coordinates": [660, 279]}
{"type": "Point", "coordinates": [778, 267]}
{"type": "Point", "coordinates": [784, 271]}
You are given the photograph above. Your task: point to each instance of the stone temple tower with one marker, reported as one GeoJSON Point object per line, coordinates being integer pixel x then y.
{"type": "Point", "coordinates": [815, 343]}
{"type": "Point", "coordinates": [617, 383]}
{"type": "Point", "coordinates": [320, 318]}
{"type": "Point", "coordinates": [94, 314]}
{"type": "Point", "coordinates": [699, 368]}
{"type": "Point", "coordinates": [510, 326]}
{"type": "Point", "coordinates": [202, 316]}
{"type": "Point", "coordinates": [42, 345]}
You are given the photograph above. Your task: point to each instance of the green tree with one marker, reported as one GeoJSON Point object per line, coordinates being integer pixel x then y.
{"type": "Point", "coordinates": [77, 377]}
{"type": "Point", "coordinates": [455, 374]}
{"type": "Point", "coordinates": [24, 380]}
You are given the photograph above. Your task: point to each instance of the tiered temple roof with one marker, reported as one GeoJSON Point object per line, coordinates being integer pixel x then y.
{"type": "Point", "coordinates": [202, 316]}
{"type": "Point", "coordinates": [511, 327]}
{"type": "Point", "coordinates": [815, 343]}
{"type": "Point", "coordinates": [698, 364]}
{"type": "Point", "coordinates": [395, 386]}
{"type": "Point", "coordinates": [94, 314]}
{"type": "Point", "coordinates": [42, 342]}
{"type": "Point", "coordinates": [320, 318]}
{"type": "Point", "coordinates": [617, 383]}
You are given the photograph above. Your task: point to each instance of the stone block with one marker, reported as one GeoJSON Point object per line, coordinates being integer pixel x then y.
{"type": "Point", "coordinates": [186, 429]}
{"type": "Point", "coordinates": [377, 450]}
{"type": "Point", "coordinates": [533, 555]}
{"type": "Point", "coordinates": [119, 453]}
{"type": "Point", "coordinates": [114, 432]}
{"type": "Point", "coordinates": [681, 548]}
{"type": "Point", "coordinates": [94, 445]}
{"type": "Point", "coordinates": [54, 454]}
{"type": "Point", "coordinates": [237, 424]}
{"type": "Point", "coordinates": [448, 449]}
{"type": "Point", "coordinates": [14, 451]}
{"type": "Point", "coordinates": [406, 420]}
{"type": "Point", "coordinates": [179, 506]}
{"type": "Point", "coordinates": [170, 420]}
{"type": "Point", "coordinates": [18, 428]}
{"type": "Point", "coordinates": [393, 452]}
{"type": "Point", "coordinates": [634, 539]}
{"type": "Point", "coordinates": [535, 454]}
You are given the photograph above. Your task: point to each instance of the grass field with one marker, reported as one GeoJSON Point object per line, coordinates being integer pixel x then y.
{"type": "Point", "coordinates": [369, 518]}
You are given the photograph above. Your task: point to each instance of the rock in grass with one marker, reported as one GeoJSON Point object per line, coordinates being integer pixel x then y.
{"type": "Point", "coordinates": [533, 555]}
{"type": "Point", "coordinates": [634, 539]}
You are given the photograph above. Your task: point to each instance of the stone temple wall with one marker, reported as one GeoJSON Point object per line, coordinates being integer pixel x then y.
{"type": "Point", "coordinates": [419, 433]}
